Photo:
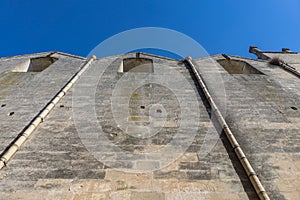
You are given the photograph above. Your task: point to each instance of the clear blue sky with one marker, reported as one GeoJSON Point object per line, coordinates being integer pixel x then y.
{"type": "Point", "coordinates": [76, 26]}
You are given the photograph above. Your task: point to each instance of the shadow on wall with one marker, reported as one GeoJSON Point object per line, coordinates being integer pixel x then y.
{"type": "Point", "coordinates": [35, 64]}
{"type": "Point", "coordinates": [238, 67]}
{"type": "Point", "coordinates": [136, 65]}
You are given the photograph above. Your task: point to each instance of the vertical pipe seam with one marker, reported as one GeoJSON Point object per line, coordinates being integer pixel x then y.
{"type": "Point", "coordinates": [260, 190]}
{"type": "Point", "coordinates": [9, 152]}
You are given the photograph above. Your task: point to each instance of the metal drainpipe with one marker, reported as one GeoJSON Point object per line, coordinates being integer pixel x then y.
{"type": "Point", "coordinates": [8, 153]}
{"type": "Point", "coordinates": [260, 190]}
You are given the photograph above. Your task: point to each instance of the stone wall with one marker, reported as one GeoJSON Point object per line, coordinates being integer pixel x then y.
{"type": "Point", "coordinates": [88, 149]}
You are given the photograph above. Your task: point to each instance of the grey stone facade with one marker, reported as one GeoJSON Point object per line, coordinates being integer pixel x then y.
{"type": "Point", "coordinates": [106, 140]}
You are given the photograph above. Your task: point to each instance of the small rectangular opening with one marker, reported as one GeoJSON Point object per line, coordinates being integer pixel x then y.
{"type": "Point", "coordinates": [35, 64]}
{"type": "Point", "coordinates": [144, 65]}
{"type": "Point", "coordinates": [238, 67]}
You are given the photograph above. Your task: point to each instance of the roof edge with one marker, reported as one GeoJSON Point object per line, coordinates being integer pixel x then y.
{"type": "Point", "coordinates": [47, 53]}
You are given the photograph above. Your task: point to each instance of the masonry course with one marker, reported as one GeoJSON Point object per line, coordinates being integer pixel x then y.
{"type": "Point", "coordinates": [262, 110]}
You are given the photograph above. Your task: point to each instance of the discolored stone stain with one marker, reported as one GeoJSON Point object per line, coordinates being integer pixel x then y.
{"type": "Point", "coordinates": [9, 81]}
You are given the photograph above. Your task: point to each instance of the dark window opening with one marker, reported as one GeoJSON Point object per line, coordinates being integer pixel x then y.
{"type": "Point", "coordinates": [238, 67]}
{"type": "Point", "coordinates": [137, 65]}
{"type": "Point", "coordinates": [35, 64]}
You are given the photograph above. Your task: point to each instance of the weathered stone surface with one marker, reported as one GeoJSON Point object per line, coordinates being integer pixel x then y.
{"type": "Point", "coordinates": [66, 160]}
{"type": "Point", "coordinates": [147, 196]}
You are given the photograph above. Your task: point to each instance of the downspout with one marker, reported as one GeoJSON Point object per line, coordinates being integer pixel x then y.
{"type": "Point", "coordinates": [260, 190]}
{"type": "Point", "coordinates": [8, 153]}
